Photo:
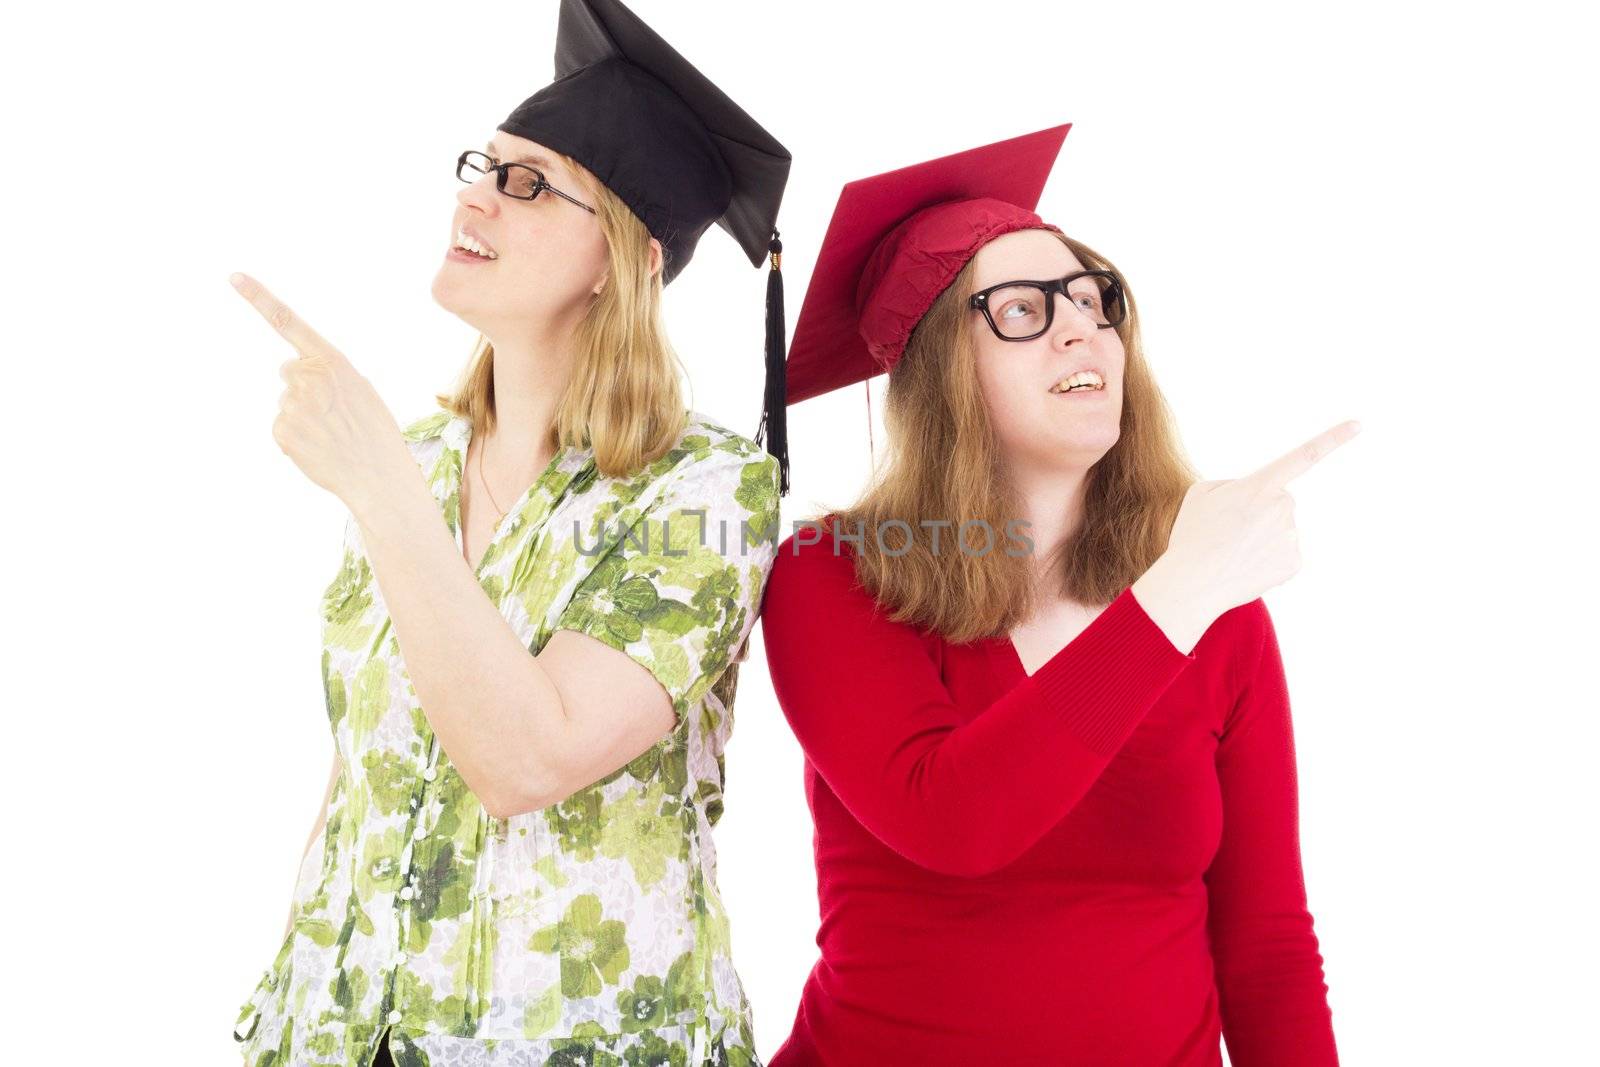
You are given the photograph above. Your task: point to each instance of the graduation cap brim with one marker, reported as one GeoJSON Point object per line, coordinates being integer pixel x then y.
{"type": "Point", "coordinates": [828, 350]}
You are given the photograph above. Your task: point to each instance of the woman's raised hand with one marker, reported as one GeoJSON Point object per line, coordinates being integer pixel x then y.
{"type": "Point", "coordinates": [332, 423]}
{"type": "Point", "coordinates": [1232, 541]}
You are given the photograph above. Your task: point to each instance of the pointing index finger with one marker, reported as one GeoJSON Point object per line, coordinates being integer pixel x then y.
{"type": "Point", "coordinates": [278, 314]}
{"type": "Point", "coordinates": [1303, 457]}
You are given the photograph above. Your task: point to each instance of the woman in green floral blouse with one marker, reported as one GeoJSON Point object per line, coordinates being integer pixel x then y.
{"type": "Point", "coordinates": [515, 861]}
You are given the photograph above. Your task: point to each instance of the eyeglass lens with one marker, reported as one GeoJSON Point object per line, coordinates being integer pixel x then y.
{"type": "Point", "coordinates": [521, 182]}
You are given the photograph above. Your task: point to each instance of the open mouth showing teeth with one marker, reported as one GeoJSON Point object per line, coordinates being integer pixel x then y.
{"type": "Point", "coordinates": [469, 244]}
{"type": "Point", "coordinates": [1085, 381]}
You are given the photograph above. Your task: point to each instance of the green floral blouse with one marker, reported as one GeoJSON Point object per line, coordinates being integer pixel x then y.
{"type": "Point", "coordinates": [588, 932]}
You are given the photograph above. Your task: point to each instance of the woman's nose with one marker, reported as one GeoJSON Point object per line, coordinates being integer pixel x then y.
{"type": "Point", "coordinates": [480, 194]}
{"type": "Point", "coordinates": [1071, 323]}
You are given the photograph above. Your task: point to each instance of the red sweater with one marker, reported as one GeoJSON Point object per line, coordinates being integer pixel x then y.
{"type": "Point", "coordinates": [1097, 864]}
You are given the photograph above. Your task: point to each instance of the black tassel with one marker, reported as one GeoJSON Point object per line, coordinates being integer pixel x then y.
{"type": "Point", "coordinates": [774, 412]}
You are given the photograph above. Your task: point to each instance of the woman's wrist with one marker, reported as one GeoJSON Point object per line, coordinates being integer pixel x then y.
{"type": "Point", "coordinates": [1174, 603]}
{"type": "Point", "coordinates": [391, 505]}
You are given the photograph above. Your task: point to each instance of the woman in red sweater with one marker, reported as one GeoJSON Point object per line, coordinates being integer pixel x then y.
{"type": "Point", "coordinates": [1048, 746]}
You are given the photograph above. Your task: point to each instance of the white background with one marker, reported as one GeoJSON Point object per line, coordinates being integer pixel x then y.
{"type": "Point", "coordinates": [1383, 212]}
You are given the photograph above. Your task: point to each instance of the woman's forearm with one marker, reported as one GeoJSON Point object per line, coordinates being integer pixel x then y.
{"type": "Point", "coordinates": [494, 709]}
{"type": "Point", "coordinates": [959, 793]}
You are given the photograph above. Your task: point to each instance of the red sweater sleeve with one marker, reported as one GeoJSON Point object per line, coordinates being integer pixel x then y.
{"type": "Point", "coordinates": [1269, 972]}
{"type": "Point", "coordinates": [864, 697]}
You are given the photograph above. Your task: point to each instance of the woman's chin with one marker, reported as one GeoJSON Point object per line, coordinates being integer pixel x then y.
{"type": "Point", "coordinates": [1077, 447]}
{"type": "Point", "coordinates": [448, 292]}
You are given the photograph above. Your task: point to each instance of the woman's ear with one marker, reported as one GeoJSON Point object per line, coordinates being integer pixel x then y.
{"type": "Point", "coordinates": [655, 256]}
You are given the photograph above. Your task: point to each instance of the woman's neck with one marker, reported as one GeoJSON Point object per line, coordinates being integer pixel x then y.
{"type": "Point", "coordinates": [529, 380]}
{"type": "Point", "coordinates": [1052, 504]}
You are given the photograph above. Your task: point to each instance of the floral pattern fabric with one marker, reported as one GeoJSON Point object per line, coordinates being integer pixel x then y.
{"type": "Point", "coordinates": [588, 932]}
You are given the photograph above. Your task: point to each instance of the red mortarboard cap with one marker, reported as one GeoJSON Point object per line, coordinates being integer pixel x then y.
{"type": "Point", "coordinates": [896, 242]}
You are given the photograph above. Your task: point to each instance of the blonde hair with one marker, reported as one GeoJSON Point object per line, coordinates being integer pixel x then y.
{"type": "Point", "coordinates": [945, 462]}
{"type": "Point", "coordinates": [623, 398]}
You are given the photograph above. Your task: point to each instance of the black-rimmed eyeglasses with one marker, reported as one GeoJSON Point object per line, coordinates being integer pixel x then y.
{"type": "Point", "coordinates": [516, 180]}
{"type": "Point", "coordinates": [1023, 310]}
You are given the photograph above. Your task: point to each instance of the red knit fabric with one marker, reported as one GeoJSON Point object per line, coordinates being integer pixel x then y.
{"type": "Point", "coordinates": [1098, 864]}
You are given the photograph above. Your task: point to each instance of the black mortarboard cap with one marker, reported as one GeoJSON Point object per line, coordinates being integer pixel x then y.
{"type": "Point", "coordinates": [674, 148]}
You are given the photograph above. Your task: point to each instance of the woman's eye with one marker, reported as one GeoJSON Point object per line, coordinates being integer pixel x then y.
{"type": "Point", "coordinates": [1016, 309]}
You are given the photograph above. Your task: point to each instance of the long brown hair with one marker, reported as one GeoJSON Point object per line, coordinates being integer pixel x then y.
{"type": "Point", "coordinates": [944, 462]}
{"type": "Point", "coordinates": [623, 398]}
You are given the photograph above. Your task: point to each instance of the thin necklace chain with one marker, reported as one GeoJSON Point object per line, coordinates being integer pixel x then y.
{"type": "Point", "coordinates": [500, 512]}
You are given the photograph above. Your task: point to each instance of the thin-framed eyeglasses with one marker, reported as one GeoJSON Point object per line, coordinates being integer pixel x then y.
{"type": "Point", "coordinates": [516, 180]}
{"type": "Point", "coordinates": [1023, 310]}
